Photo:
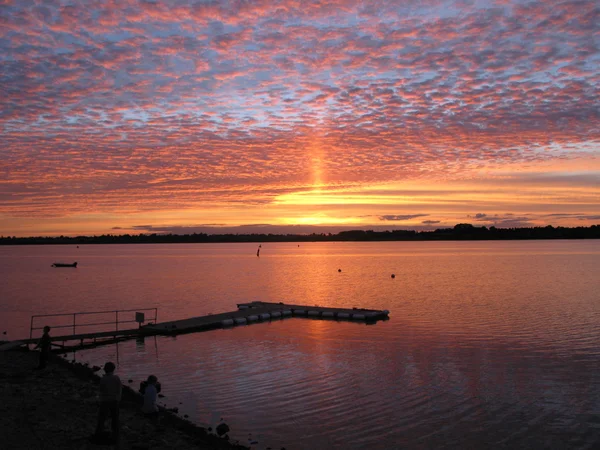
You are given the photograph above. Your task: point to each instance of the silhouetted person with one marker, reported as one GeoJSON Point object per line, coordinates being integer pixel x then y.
{"type": "Point", "coordinates": [150, 389]}
{"type": "Point", "coordinates": [109, 396]}
{"type": "Point", "coordinates": [44, 346]}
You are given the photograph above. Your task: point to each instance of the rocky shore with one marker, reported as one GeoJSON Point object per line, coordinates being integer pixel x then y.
{"type": "Point", "coordinates": [55, 408]}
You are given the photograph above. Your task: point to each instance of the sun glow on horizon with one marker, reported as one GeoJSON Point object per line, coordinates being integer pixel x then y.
{"type": "Point", "coordinates": [361, 116]}
{"type": "Point", "coordinates": [319, 219]}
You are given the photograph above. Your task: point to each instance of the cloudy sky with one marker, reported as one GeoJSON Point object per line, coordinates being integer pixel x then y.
{"type": "Point", "coordinates": [134, 116]}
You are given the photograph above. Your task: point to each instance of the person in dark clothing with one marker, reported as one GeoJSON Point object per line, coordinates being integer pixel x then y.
{"type": "Point", "coordinates": [109, 397]}
{"type": "Point", "coordinates": [44, 346]}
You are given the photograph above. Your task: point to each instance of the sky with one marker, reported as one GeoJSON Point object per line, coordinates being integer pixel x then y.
{"type": "Point", "coordinates": [297, 116]}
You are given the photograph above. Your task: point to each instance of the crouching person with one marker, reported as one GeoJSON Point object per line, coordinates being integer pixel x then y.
{"type": "Point", "coordinates": [150, 389]}
{"type": "Point", "coordinates": [109, 397]}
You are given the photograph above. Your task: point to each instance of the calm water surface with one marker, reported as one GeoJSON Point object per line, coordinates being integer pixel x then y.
{"type": "Point", "coordinates": [489, 344]}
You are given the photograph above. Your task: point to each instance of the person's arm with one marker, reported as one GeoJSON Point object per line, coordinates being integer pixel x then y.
{"type": "Point", "coordinates": [119, 389]}
{"type": "Point", "coordinates": [100, 390]}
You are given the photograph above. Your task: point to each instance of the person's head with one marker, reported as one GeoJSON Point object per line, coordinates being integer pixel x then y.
{"type": "Point", "coordinates": [152, 379]}
{"type": "Point", "coordinates": [109, 367]}
{"type": "Point", "coordinates": [46, 329]}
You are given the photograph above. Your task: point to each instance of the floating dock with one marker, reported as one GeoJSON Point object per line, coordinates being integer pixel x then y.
{"type": "Point", "coordinates": [262, 311]}
{"type": "Point", "coordinates": [246, 313]}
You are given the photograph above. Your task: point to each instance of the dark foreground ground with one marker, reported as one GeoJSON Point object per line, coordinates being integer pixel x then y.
{"type": "Point", "coordinates": [55, 408]}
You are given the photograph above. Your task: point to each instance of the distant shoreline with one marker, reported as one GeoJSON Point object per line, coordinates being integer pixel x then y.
{"type": "Point", "coordinates": [460, 232]}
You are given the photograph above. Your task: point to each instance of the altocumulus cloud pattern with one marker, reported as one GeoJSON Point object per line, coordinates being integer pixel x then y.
{"type": "Point", "coordinates": [125, 106]}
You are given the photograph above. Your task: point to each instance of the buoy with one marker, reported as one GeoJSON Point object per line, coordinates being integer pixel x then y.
{"type": "Point", "coordinates": [339, 270]}
{"type": "Point", "coordinates": [393, 276]}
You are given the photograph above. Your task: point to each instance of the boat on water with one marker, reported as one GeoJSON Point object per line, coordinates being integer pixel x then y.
{"type": "Point", "coordinates": [65, 264]}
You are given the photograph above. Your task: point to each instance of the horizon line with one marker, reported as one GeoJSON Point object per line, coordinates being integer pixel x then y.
{"type": "Point", "coordinates": [466, 226]}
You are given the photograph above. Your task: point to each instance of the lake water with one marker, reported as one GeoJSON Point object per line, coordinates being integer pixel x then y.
{"type": "Point", "coordinates": [489, 344]}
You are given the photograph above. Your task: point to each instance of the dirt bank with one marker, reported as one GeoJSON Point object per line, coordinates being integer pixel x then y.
{"type": "Point", "coordinates": [55, 408]}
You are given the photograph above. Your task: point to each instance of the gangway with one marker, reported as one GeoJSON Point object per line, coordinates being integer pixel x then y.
{"type": "Point", "coordinates": [140, 318]}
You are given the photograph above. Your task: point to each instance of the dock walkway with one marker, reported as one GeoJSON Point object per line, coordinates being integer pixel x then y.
{"type": "Point", "coordinates": [246, 313]}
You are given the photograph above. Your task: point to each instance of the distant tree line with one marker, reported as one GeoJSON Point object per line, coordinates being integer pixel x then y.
{"type": "Point", "coordinates": [460, 232]}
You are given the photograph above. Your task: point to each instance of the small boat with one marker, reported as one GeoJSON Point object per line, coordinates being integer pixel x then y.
{"type": "Point", "coordinates": [65, 265]}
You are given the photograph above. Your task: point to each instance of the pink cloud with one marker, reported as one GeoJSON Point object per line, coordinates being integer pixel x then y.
{"type": "Point", "coordinates": [104, 99]}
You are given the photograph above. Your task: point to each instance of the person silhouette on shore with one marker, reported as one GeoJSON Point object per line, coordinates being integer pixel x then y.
{"type": "Point", "coordinates": [109, 397]}
{"type": "Point", "coordinates": [44, 346]}
{"type": "Point", "coordinates": [150, 389]}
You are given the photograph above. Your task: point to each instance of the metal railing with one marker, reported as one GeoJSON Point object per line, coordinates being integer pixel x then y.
{"type": "Point", "coordinates": [74, 324]}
